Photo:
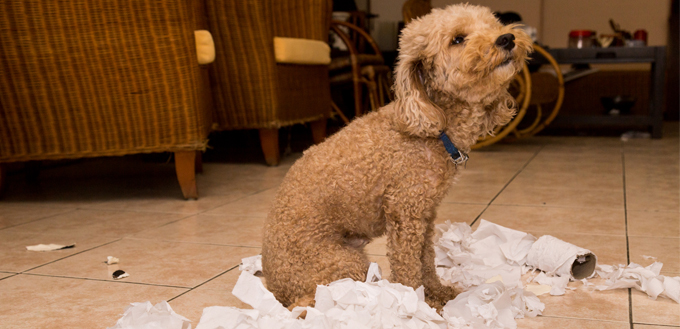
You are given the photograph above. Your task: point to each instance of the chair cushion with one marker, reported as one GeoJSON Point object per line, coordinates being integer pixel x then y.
{"type": "Point", "coordinates": [301, 51]}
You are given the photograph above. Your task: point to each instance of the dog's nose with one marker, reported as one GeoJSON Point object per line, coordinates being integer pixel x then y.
{"type": "Point", "coordinates": [506, 41]}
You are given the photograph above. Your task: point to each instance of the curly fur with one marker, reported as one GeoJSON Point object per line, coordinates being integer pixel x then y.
{"type": "Point", "coordinates": [386, 172]}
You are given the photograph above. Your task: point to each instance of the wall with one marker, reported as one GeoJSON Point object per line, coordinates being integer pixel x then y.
{"type": "Point", "coordinates": [553, 18]}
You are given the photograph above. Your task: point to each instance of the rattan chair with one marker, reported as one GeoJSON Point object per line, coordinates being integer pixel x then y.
{"type": "Point", "coordinates": [361, 68]}
{"type": "Point", "coordinates": [102, 78]}
{"type": "Point", "coordinates": [250, 89]}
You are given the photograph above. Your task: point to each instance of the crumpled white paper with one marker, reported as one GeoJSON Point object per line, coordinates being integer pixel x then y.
{"type": "Point", "coordinates": [147, 316]}
{"type": "Point", "coordinates": [491, 305]}
{"type": "Point", "coordinates": [342, 304]}
{"type": "Point", "coordinates": [646, 279]}
{"type": "Point", "coordinates": [251, 264]}
{"type": "Point", "coordinates": [470, 259]}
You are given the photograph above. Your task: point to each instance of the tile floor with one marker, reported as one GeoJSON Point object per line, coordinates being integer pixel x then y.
{"type": "Point", "coordinates": [620, 200]}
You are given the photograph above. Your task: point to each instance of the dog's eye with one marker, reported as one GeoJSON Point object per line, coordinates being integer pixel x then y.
{"type": "Point", "coordinates": [458, 40]}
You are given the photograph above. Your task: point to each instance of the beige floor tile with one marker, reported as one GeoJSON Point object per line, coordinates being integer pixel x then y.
{"type": "Point", "coordinates": [15, 258]}
{"type": "Point", "coordinates": [16, 214]}
{"type": "Point", "coordinates": [84, 223]}
{"type": "Point", "coordinates": [660, 311]}
{"type": "Point", "coordinates": [217, 292]}
{"type": "Point", "coordinates": [211, 229]}
{"type": "Point", "coordinates": [559, 197]}
{"type": "Point", "coordinates": [610, 305]}
{"type": "Point", "coordinates": [48, 302]}
{"type": "Point", "coordinates": [377, 247]}
{"type": "Point", "coordinates": [547, 322]}
{"type": "Point", "coordinates": [653, 223]}
{"type": "Point", "coordinates": [168, 201]}
{"type": "Point", "coordinates": [152, 262]}
{"type": "Point", "coordinates": [458, 212]}
{"type": "Point", "coordinates": [257, 205]}
{"type": "Point", "coordinates": [569, 180]}
{"type": "Point", "coordinates": [472, 193]}
{"type": "Point", "coordinates": [666, 250]}
{"type": "Point", "coordinates": [565, 220]}
{"type": "Point", "coordinates": [653, 199]}
{"type": "Point", "coordinates": [592, 168]}
{"type": "Point", "coordinates": [651, 326]}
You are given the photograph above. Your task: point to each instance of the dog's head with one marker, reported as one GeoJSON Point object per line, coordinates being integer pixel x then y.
{"type": "Point", "coordinates": [460, 54]}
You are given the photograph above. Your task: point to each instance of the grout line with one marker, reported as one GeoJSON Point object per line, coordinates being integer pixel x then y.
{"type": "Point", "coordinates": [577, 318]}
{"type": "Point", "coordinates": [67, 211]}
{"type": "Point", "coordinates": [67, 256]}
{"type": "Point", "coordinates": [192, 289]}
{"type": "Point", "coordinates": [506, 184]}
{"type": "Point", "coordinates": [657, 325]}
{"type": "Point", "coordinates": [625, 211]}
{"type": "Point", "coordinates": [102, 280]}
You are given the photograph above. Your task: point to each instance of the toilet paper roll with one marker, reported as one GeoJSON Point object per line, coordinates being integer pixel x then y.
{"type": "Point", "coordinates": [554, 256]}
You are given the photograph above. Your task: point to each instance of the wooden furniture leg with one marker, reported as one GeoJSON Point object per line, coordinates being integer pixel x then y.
{"type": "Point", "coordinates": [185, 166]}
{"type": "Point", "coordinates": [269, 139]}
{"type": "Point", "coordinates": [199, 162]}
{"type": "Point", "coordinates": [319, 130]}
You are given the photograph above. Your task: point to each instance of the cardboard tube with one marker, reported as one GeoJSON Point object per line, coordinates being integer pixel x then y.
{"type": "Point", "coordinates": [554, 256]}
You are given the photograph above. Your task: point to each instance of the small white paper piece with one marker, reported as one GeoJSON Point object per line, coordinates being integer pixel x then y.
{"type": "Point", "coordinates": [252, 265]}
{"type": "Point", "coordinates": [145, 315]}
{"type": "Point", "coordinates": [50, 247]}
{"type": "Point", "coordinates": [646, 279]}
{"type": "Point", "coordinates": [110, 260]}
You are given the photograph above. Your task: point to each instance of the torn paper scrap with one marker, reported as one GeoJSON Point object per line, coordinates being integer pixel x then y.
{"type": "Point", "coordinates": [145, 315]}
{"type": "Point", "coordinates": [646, 279]}
{"type": "Point", "coordinates": [252, 265]}
{"type": "Point", "coordinates": [556, 257]}
{"type": "Point", "coordinates": [50, 247]}
{"type": "Point", "coordinates": [110, 260]}
{"type": "Point", "coordinates": [251, 291]}
{"type": "Point", "coordinates": [470, 259]}
{"type": "Point", "coordinates": [374, 273]}
{"type": "Point", "coordinates": [491, 305]}
{"type": "Point", "coordinates": [558, 284]}
{"type": "Point", "coordinates": [120, 274]}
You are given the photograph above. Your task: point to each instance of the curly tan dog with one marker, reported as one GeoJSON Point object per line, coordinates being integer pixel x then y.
{"type": "Point", "coordinates": [386, 172]}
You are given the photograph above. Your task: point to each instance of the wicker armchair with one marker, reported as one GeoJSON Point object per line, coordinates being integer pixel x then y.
{"type": "Point", "coordinates": [102, 78]}
{"type": "Point", "coordinates": [250, 89]}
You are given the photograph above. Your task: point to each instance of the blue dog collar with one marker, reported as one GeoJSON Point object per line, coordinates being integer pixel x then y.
{"type": "Point", "coordinates": [457, 156]}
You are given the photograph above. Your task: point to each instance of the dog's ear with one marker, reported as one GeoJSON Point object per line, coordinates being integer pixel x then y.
{"type": "Point", "coordinates": [499, 113]}
{"type": "Point", "coordinates": [415, 113]}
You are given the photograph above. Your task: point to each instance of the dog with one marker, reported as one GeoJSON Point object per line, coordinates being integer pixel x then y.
{"type": "Point", "coordinates": [386, 172]}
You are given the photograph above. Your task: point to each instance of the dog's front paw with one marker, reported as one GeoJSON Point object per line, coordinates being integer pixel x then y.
{"type": "Point", "coordinates": [439, 296]}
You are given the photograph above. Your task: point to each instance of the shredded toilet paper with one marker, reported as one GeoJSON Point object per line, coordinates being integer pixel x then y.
{"type": "Point", "coordinates": [491, 305]}
{"type": "Point", "coordinates": [342, 304]}
{"type": "Point", "coordinates": [646, 279]}
{"type": "Point", "coordinates": [470, 259]}
{"type": "Point", "coordinates": [488, 263]}
{"type": "Point", "coordinates": [145, 316]}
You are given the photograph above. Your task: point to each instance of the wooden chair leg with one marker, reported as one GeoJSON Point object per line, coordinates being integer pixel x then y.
{"type": "Point", "coordinates": [185, 166]}
{"type": "Point", "coordinates": [319, 130]}
{"type": "Point", "coordinates": [269, 138]}
{"type": "Point", "coordinates": [199, 162]}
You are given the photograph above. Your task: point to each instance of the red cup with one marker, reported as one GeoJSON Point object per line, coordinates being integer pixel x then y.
{"type": "Point", "coordinates": [640, 35]}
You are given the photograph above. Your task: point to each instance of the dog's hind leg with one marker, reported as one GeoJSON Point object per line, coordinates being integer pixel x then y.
{"type": "Point", "coordinates": [292, 276]}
